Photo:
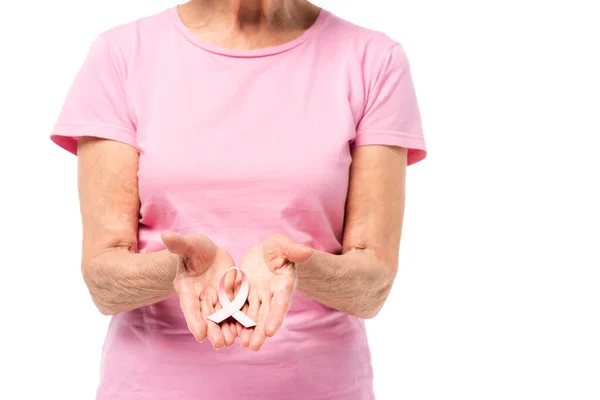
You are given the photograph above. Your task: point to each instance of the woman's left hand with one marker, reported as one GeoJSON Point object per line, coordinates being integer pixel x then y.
{"type": "Point", "coordinates": [271, 271]}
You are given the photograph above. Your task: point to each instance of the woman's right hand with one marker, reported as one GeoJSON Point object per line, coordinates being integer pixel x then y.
{"type": "Point", "coordinates": [199, 269]}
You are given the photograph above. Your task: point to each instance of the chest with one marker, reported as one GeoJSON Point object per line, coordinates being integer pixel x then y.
{"type": "Point", "coordinates": [226, 136]}
{"type": "Point", "coordinates": [245, 119]}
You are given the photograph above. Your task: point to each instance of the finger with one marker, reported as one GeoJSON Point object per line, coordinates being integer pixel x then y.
{"type": "Point", "coordinates": [297, 253]}
{"type": "Point", "coordinates": [253, 307]}
{"type": "Point", "coordinates": [175, 243]}
{"type": "Point", "coordinates": [280, 305]}
{"type": "Point", "coordinates": [228, 328]}
{"type": "Point", "coordinates": [233, 330]}
{"type": "Point", "coordinates": [230, 279]}
{"type": "Point", "coordinates": [231, 327]}
{"type": "Point", "coordinates": [258, 336]}
{"type": "Point", "coordinates": [213, 330]}
{"type": "Point", "coordinates": [228, 335]}
{"type": "Point", "coordinates": [279, 248]}
{"type": "Point", "coordinates": [191, 308]}
{"type": "Point", "coordinates": [238, 283]}
{"type": "Point", "coordinates": [198, 246]}
{"type": "Point", "coordinates": [239, 327]}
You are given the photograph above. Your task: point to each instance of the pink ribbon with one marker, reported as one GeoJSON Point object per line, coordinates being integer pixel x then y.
{"type": "Point", "coordinates": [232, 308]}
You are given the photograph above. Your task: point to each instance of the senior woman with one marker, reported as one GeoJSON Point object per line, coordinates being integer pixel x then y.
{"type": "Point", "coordinates": [269, 135]}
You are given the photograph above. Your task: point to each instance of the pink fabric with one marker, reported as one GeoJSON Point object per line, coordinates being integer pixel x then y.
{"type": "Point", "coordinates": [241, 145]}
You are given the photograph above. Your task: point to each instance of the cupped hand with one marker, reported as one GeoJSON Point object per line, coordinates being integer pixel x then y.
{"type": "Point", "coordinates": [200, 268]}
{"type": "Point", "coordinates": [271, 271]}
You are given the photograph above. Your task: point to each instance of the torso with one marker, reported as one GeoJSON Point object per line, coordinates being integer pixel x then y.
{"type": "Point", "coordinates": [240, 145]}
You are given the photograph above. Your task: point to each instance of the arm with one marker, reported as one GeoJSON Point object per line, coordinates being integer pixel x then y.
{"type": "Point", "coordinates": [117, 276]}
{"type": "Point", "coordinates": [359, 280]}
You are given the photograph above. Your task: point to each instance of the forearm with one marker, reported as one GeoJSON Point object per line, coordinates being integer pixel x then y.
{"type": "Point", "coordinates": [356, 282]}
{"type": "Point", "coordinates": [121, 280]}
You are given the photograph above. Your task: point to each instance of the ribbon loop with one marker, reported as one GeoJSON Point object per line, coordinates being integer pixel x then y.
{"type": "Point", "coordinates": [232, 308]}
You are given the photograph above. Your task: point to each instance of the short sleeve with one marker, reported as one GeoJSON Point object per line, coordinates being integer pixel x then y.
{"type": "Point", "coordinates": [391, 114]}
{"type": "Point", "coordinates": [96, 104]}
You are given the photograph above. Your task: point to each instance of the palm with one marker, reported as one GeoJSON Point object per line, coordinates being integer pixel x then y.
{"type": "Point", "coordinates": [202, 265]}
{"type": "Point", "coordinates": [270, 267]}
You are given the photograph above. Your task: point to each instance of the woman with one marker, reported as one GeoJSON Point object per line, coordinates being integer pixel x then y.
{"type": "Point", "coordinates": [271, 135]}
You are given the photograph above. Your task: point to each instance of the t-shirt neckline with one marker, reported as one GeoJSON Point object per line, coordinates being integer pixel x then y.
{"type": "Point", "coordinates": [261, 52]}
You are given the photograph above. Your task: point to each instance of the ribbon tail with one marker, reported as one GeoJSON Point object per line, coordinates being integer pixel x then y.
{"type": "Point", "coordinates": [220, 315]}
{"type": "Point", "coordinates": [243, 319]}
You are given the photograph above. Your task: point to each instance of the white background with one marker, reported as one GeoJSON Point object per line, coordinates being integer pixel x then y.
{"type": "Point", "coordinates": [498, 292]}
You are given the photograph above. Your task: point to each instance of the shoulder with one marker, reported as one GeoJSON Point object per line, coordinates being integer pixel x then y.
{"type": "Point", "coordinates": [123, 43]}
{"type": "Point", "coordinates": [371, 47]}
{"type": "Point", "coordinates": [126, 38]}
{"type": "Point", "coordinates": [155, 23]}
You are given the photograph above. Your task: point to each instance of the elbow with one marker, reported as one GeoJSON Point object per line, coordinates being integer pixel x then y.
{"type": "Point", "coordinates": [378, 291]}
{"type": "Point", "coordinates": [377, 278]}
{"type": "Point", "coordinates": [373, 301]}
{"type": "Point", "coordinates": [97, 287]}
{"type": "Point", "coordinates": [368, 310]}
{"type": "Point", "coordinates": [100, 301]}
{"type": "Point", "coordinates": [102, 305]}
{"type": "Point", "coordinates": [107, 311]}
{"type": "Point", "coordinates": [104, 308]}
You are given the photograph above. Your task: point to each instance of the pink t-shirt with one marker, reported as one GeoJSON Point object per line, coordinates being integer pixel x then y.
{"type": "Point", "coordinates": [240, 145]}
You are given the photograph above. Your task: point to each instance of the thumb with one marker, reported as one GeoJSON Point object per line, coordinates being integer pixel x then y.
{"type": "Point", "coordinates": [298, 253]}
{"type": "Point", "coordinates": [279, 249]}
{"type": "Point", "coordinates": [175, 243]}
{"type": "Point", "coordinates": [197, 247]}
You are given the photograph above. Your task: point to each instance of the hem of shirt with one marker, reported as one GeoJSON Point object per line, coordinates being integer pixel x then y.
{"type": "Point", "coordinates": [67, 135]}
{"type": "Point", "coordinates": [417, 149]}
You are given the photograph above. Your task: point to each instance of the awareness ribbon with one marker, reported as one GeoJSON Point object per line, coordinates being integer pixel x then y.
{"type": "Point", "coordinates": [232, 308]}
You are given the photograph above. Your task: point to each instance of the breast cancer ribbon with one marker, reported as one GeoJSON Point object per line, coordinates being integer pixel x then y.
{"type": "Point", "coordinates": [232, 308]}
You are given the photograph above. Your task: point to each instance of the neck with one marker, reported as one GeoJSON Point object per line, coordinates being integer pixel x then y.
{"type": "Point", "coordinates": [253, 14]}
